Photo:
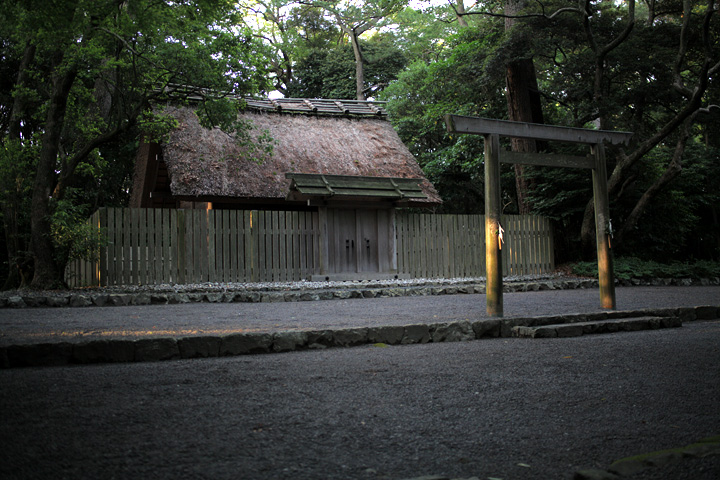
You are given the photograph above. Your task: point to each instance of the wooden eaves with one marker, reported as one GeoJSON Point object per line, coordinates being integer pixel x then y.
{"type": "Point", "coordinates": [320, 186]}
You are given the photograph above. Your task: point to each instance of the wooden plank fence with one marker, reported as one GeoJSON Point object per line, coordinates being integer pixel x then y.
{"type": "Point", "coordinates": [453, 246]}
{"type": "Point", "coordinates": [156, 246]}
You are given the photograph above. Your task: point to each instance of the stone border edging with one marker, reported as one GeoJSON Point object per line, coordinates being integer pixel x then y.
{"type": "Point", "coordinates": [103, 299]}
{"type": "Point", "coordinates": [204, 346]}
{"type": "Point", "coordinates": [629, 466]}
{"type": "Point", "coordinates": [614, 325]}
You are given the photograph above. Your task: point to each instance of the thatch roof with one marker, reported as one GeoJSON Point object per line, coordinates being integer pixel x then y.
{"type": "Point", "coordinates": [210, 163]}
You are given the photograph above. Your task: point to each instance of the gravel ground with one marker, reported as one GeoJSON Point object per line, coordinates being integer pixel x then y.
{"type": "Point", "coordinates": [496, 409]}
{"type": "Point", "coordinates": [504, 409]}
{"type": "Point", "coordinates": [32, 325]}
{"type": "Point", "coordinates": [304, 285]}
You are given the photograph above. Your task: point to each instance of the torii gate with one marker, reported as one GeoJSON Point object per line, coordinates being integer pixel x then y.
{"type": "Point", "coordinates": [492, 130]}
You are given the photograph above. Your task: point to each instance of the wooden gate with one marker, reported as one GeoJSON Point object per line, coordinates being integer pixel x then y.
{"type": "Point", "coordinates": [359, 242]}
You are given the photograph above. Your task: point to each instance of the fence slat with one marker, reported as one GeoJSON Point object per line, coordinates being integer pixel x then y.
{"type": "Point", "coordinates": [125, 232]}
{"type": "Point", "coordinates": [171, 268]}
{"type": "Point", "coordinates": [232, 245]}
{"type": "Point", "coordinates": [251, 242]}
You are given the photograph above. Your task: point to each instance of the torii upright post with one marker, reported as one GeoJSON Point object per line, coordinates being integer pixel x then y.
{"type": "Point", "coordinates": [493, 208]}
{"type": "Point", "coordinates": [606, 278]}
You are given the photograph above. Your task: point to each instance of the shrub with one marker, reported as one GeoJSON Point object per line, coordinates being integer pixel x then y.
{"type": "Point", "coordinates": [632, 267]}
{"type": "Point", "coordinates": [73, 236]}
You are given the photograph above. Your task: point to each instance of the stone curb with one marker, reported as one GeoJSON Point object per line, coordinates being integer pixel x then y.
{"type": "Point", "coordinates": [609, 325]}
{"type": "Point", "coordinates": [105, 299]}
{"type": "Point", "coordinates": [170, 348]}
{"type": "Point", "coordinates": [441, 477]}
{"type": "Point", "coordinates": [633, 465]}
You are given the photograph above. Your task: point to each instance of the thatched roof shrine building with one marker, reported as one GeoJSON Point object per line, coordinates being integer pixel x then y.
{"type": "Point", "coordinates": [341, 159]}
{"type": "Point", "coordinates": [322, 140]}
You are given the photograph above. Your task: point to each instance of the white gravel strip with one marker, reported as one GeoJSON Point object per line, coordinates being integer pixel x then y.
{"type": "Point", "coordinates": [304, 285]}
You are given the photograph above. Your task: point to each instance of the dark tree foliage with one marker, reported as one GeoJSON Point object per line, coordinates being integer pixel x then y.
{"type": "Point", "coordinates": [330, 73]}
{"type": "Point", "coordinates": [648, 68]}
{"type": "Point", "coordinates": [83, 75]}
{"type": "Point", "coordinates": [457, 83]}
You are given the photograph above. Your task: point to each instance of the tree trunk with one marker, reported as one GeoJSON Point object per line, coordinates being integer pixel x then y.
{"type": "Point", "coordinates": [460, 13]}
{"type": "Point", "coordinates": [16, 265]}
{"type": "Point", "coordinates": [18, 108]}
{"type": "Point", "coordinates": [523, 101]}
{"type": "Point", "coordinates": [47, 274]}
{"type": "Point", "coordinates": [359, 67]}
{"type": "Point", "coordinates": [625, 162]}
{"type": "Point", "coordinates": [10, 226]}
{"type": "Point", "coordinates": [673, 170]}
{"type": "Point", "coordinates": [716, 224]}
{"type": "Point", "coordinates": [587, 232]}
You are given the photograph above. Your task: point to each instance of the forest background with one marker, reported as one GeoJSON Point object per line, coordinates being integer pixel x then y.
{"type": "Point", "coordinates": [78, 77]}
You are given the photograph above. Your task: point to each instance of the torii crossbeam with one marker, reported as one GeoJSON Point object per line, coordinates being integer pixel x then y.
{"type": "Point", "coordinates": [492, 130]}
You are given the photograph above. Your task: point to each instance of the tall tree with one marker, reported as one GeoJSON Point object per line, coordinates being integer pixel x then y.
{"type": "Point", "coordinates": [521, 86]}
{"type": "Point", "coordinates": [460, 13]}
{"type": "Point", "coordinates": [696, 61]}
{"type": "Point", "coordinates": [292, 32]}
{"type": "Point", "coordinates": [329, 72]}
{"type": "Point", "coordinates": [601, 67]}
{"type": "Point", "coordinates": [94, 68]}
{"type": "Point", "coordinates": [354, 19]}
{"type": "Point", "coordinates": [522, 92]}
{"type": "Point", "coordinates": [452, 80]}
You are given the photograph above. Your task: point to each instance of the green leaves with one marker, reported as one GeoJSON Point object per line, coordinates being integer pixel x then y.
{"type": "Point", "coordinates": [454, 83]}
{"type": "Point", "coordinates": [73, 236]}
{"type": "Point", "coordinates": [627, 268]}
{"type": "Point", "coordinates": [89, 70]}
{"type": "Point", "coordinates": [330, 72]}
{"type": "Point", "coordinates": [156, 126]}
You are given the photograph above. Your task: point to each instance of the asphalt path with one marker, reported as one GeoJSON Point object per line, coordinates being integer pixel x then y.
{"type": "Point", "coordinates": [502, 408]}
{"type": "Point", "coordinates": [32, 325]}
